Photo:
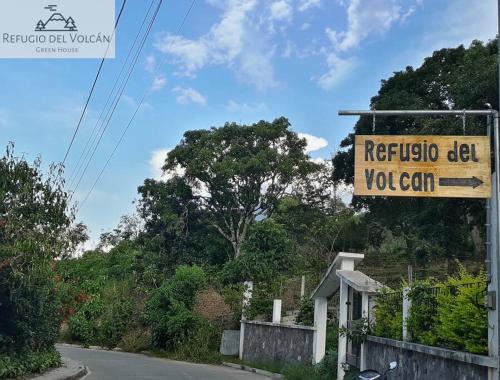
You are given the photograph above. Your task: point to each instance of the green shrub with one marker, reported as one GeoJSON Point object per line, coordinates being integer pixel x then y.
{"type": "Point", "coordinates": [423, 312]}
{"type": "Point", "coordinates": [83, 325]}
{"type": "Point", "coordinates": [114, 322]}
{"type": "Point", "coordinates": [332, 338]}
{"type": "Point", "coordinates": [306, 312]}
{"type": "Point", "coordinates": [449, 314]}
{"type": "Point", "coordinates": [136, 340]}
{"type": "Point", "coordinates": [267, 255]}
{"type": "Point", "coordinates": [462, 317]}
{"type": "Point", "coordinates": [169, 309]}
{"type": "Point", "coordinates": [33, 233]}
{"type": "Point", "coordinates": [389, 315]}
{"type": "Point", "coordinates": [32, 362]}
{"type": "Point", "coordinates": [203, 346]}
{"type": "Point", "coordinates": [325, 370]}
{"type": "Point", "coordinates": [299, 372]}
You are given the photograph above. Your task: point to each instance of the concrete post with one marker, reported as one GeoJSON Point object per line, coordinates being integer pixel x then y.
{"type": "Point", "coordinates": [406, 314]}
{"type": "Point", "coordinates": [242, 339]}
{"type": "Point", "coordinates": [303, 287]}
{"type": "Point", "coordinates": [247, 297]}
{"type": "Point", "coordinates": [342, 349]}
{"type": "Point", "coordinates": [365, 312]}
{"type": "Point", "coordinates": [320, 320]}
{"type": "Point", "coordinates": [277, 311]}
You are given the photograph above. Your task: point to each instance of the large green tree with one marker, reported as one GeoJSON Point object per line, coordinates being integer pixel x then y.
{"type": "Point", "coordinates": [240, 171]}
{"type": "Point", "coordinates": [458, 78]}
{"type": "Point", "coordinates": [176, 230]}
{"type": "Point", "coordinates": [34, 230]}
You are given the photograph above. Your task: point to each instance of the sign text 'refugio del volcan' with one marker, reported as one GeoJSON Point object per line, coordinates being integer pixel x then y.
{"type": "Point", "coordinates": [423, 166]}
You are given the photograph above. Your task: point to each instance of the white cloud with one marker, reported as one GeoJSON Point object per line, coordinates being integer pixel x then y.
{"type": "Point", "coordinates": [366, 17]}
{"type": "Point", "coordinates": [191, 55]}
{"type": "Point", "coordinates": [338, 69]}
{"type": "Point", "coordinates": [189, 95]}
{"type": "Point", "coordinates": [308, 4]}
{"type": "Point", "coordinates": [234, 106]}
{"type": "Point", "coordinates": [158, 83]}
{"type": "Point", "coordinates": [234, 42]}
{"type": "Point", "coordinates": [305, 26]}
{"type": "Point", "coordinates": [281, 10]}
{"type": "Point", "coordinates": [156, 163]}
{"type": "Point", "coordinates": [314, 143]}
{"type": "Point", "coordinates": [150, 63]}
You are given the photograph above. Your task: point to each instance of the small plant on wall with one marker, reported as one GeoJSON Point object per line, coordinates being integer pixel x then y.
{"type": "Point", "coordinates": [358, 331]}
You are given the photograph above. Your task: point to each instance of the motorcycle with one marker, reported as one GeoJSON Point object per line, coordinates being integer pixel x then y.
{"type": "Point", "coordinates": [371, 374]}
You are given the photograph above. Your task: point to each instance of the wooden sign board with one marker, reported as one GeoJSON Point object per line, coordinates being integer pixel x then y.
{"type": "Point", "coordinates": [423, 166]}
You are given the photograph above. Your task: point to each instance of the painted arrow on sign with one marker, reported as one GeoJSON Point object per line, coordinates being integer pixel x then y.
{"type": "Point", "coordinates": [471, 182]}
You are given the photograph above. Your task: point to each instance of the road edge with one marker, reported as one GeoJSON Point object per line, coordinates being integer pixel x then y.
{"type": "Point", "coordinates": [246, 368]}
{"type": "Point", "coordinates": [70, 370]}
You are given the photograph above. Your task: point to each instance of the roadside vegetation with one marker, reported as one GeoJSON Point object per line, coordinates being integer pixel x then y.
{"type": "Point", "coordinates": [35, 230]}
{"type": "Point", "coordinates": [450, 314]}
{"type": "Point", "coordinates": [239, 203]}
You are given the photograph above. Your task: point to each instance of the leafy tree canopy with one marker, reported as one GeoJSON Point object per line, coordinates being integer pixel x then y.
{"type": "Point", "coordinates": [458, 78]}
{"type": "Point", "coordinates": [240, 171]}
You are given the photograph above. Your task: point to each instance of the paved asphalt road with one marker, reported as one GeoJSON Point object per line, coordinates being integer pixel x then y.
{"type": "Point", "coordinates": [110, 365]}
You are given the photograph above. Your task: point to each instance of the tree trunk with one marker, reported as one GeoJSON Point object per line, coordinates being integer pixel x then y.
{"type": "Point", "coordinates": [237, 250]}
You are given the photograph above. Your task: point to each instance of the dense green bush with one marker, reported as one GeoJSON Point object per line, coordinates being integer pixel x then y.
{"type": "Point", "coordinates": [389, 315]}
{"type": "Point", "coordinates": [169, 309]}
{"type": "Point", "coordinates": [135, 339]}
{"type": "Point", "coordinates": [14, 366]}
{"type": "Point", "coordinates": [203, 346]}
{"type": "Point", "coordinates": [34, 232]}
{"type": "Point", "coordinates": [267, 254]}
{"type": "Point", "coordinates": [114, 322]}
{"type": "Point", "coordinates": [325, 370]}
{"type": "Point", "coordinates": [104, 317]}
{"type": "Point", "coordinates": [449, 314]}
{"type": "Point", "coordinates": [461, 318]}
{"type": "Point", "coordinates": [83, 325]}
{"type": "Point", "coordinates": [423, 312]}
{"type": "Point", "coordinates": [306, 312]}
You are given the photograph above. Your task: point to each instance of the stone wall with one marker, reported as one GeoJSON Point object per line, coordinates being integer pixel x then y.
{"type": "Point", "coordinates": [419, 362]}
{"type": "Point", "coordinates": [268, 342]}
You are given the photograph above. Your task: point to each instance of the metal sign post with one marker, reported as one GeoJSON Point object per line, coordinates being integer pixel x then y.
{"type": "Point", "coordinates": [492, 208]}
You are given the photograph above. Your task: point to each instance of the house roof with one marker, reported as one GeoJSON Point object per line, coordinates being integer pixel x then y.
{"type": "Point", "coordinates": [330, 282]}
{"type": "Point", "coordinates": [359, 281]}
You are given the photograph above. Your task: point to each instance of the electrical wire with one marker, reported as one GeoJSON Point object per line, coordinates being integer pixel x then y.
{"type": "Point", "coordinates": [118, 97]}
{"type": "Point", "coordinates": [93, 85]}
{"type": "Point", "coordinates": [93, 136]}
{"type": "Point", "coordinates": [146, 93]}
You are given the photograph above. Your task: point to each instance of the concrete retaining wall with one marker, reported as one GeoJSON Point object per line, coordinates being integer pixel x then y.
{"type": "Point", "coordinates": [230, 343]}
{"type": "Point", "coordinates": [419, 362]}
{"type": "Point", "coordinates": [266, 342]}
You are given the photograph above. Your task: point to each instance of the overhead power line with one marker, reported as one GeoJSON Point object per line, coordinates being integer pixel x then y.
{"type": "Point", "coordinates": [93, 85]}
{"type": "Point", "coordinates": [118, 97]}
{"type": "Point", "coordinates": [146, 93]}
{"type": "Point", "coordinates": [105, 110]}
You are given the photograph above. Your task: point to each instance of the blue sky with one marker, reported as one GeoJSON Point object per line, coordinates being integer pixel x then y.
{"type": "Point", "coordinates": [234, 60]}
